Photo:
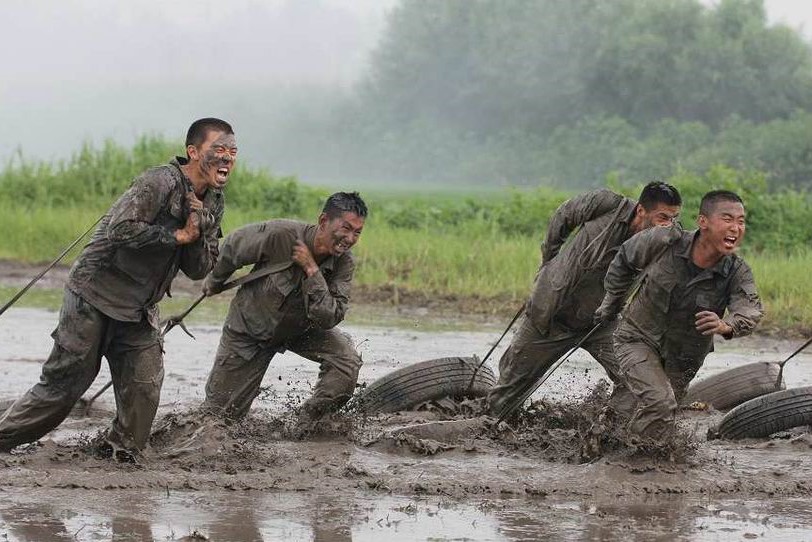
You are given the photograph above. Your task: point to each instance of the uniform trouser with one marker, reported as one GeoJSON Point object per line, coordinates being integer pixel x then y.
{"type": "Point", "coordinates": [657, 386]}
{"type": "Point", "coordinates": [530, 354]}
{"type": "Point", "coordinates": [82, 337]}
{"type": "Point", "coordinates": [234, 381]}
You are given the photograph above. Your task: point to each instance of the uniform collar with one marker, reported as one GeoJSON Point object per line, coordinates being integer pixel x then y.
{"type": "Point", "coordinates": [212, 194]}
{"type": "Point", "coordinates": [722, 267]}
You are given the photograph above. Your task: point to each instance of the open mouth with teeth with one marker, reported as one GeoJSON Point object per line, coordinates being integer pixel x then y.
{"type": "Point", "coordinates": [342, 246]}
{"type": "Point", "coordinates": [222, 175]}
{"type": "Point", "coordinates": [730, 242]}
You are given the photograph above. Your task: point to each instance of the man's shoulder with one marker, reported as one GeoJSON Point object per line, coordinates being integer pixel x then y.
{"type": "Point", "coordinates": [604, 200]}
{"type": "Point", "coordinates": [738, 264]}
{"type": "Point", "coordinates": [662, 235]}
{"type": "Point", "coordinates": [165, 176]}
{"type": "Point", "coordinates": [285, 226]}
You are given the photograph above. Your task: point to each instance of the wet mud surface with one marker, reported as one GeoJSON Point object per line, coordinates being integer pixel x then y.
{"type": "Point", "coordinates": [443, 472]}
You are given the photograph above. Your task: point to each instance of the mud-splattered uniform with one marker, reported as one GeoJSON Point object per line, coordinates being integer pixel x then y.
{"type": "Point", "coordinates": [568, 289]}
{"type": "Point", "coordinates": [656, 341]}
{"type": "Point", "coordinates": [284, 311]}
{"type": "Point", "coordinates": [110, 310]}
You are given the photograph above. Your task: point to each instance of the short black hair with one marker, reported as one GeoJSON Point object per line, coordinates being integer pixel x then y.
{"type": "Point", "coordinates": [344, 202]}
{"type": "Point", "coordinates": [199, 130]}
{"type": "Point", "coordinates": [709, 200]}
{"type": "Point", "coordinates": [657, 192]}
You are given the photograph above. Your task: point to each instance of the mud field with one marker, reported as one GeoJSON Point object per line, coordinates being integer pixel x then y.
{"type": "Point", "coordinates": [362, 478]}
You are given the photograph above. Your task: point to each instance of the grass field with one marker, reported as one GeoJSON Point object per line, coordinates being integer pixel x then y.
{"type": "Point", "coordinates": [475, 262]}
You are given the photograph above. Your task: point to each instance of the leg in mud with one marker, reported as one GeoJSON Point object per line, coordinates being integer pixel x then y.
{"type": "Point", "coordinates": [235, 379]}
{"type": "Point", "coordinates": [621, 402]}
{"type": "Point", "coordinates": [646, 379]}
{"type": "Point", "coordinates": [339, 364]}
{"type": "Point", "coordinates": [680, 372]}
{"type": "Point", "coordinates": [601, 347]}
{"type": "Point", "coordinates": [529, 355]}
{"type": "Point", "coordinates": [136, 366]}
{"type": "Point", "coordinates": [68, 372]}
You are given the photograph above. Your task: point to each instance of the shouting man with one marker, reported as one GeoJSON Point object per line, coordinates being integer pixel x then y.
{"type": "Point", "coordinates": [295, 307]}
{"type": "Point", "coordinates": [569, 285]}
{"type": "Point", "coordinates": [169, 219]}
{"type": "Point", "coordinates": [689, 280]}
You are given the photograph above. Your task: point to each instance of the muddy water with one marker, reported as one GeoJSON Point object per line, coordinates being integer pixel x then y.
{"type": "Point", "coordinates": [339, 489]}
{"type": "Point", "coordinates": [44, 516]}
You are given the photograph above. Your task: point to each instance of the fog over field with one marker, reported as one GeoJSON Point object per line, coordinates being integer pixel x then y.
{"type": "Point", "coordinates": [87, 70]}
{"type": "Point", "coordinates": [90, 69]}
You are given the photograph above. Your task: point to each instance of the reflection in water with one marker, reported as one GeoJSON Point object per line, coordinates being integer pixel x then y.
{"type": "Point", "coordinates": [331, 520]}
{"type": "Point", "coordinates": [125, 528]}
{"type": "Point", "coordinates": [235, 524]}
{"type": "Point", "coordinates": [32, 523]}
{"type": "Point", "coordinates": [48, 515]}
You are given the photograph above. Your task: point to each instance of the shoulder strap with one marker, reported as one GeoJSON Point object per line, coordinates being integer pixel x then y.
{"type": "Point", "coordinates": [259, 273]}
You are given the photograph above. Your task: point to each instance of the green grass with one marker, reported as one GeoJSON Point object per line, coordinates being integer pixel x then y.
{"type": "Point", "coordinates": [463, 263]}
{"type": "Point", "coordinates": [783, 282]}
{"type": "Point", "coordinates": [472, 261]}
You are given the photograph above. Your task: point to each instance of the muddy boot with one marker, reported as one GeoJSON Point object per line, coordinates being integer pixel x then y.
{"type": "Point", "coordinates": [103, 447]}
{"type": "Point", "coordinates": [307, 423]}
{"type": "Point", "coordinates": [591, 448]}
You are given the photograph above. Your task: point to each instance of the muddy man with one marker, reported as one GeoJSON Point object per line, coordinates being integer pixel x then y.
{"type": "Point", "coordinates": [688, 280]}
{"type": "Point", "coordinates": [582, 238]}
{"type": "Point", "coordinates": [296, 307]}
{"type": "Point", "coordinates": [168, 220]}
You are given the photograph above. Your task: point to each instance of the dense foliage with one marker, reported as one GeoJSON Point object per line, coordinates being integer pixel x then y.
{"type": "Point", "coordinates": [530, 92]}
{"type": "Point", "coordinates": [94, 177]}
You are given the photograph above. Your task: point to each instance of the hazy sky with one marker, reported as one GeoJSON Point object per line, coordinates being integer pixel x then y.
{"type": "Point", "coordinates": [77, 70]}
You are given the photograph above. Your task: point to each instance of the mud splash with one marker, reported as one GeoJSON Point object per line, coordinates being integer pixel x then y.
{"type": "Point", "coordinates": [505, 475]}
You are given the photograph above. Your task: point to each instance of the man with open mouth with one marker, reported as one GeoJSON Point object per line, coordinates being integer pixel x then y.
{"type": "Point", "coordinates": [295, 307]}
{"type": "Point", "coordinates": [688, 281]}
{"type": "Point", "coordinates": [168, 220]}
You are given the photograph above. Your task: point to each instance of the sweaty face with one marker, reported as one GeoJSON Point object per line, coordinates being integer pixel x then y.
{"type": "Point", "coordinates": [343, 232]}
{"type": "Point", "coordinates": [217, 156]}
{"type": "Point", "coordinates": [661, 215]}
{"type": "Point", "coordinates": [725, 226]}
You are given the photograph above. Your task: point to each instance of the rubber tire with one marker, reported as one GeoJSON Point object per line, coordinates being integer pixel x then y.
{"type": "Point", "coordinates": [425, 381]}
{"type": "Point", "coordinates": [768, 414]}
{"type": "Point", "coordinates": [735, 386]}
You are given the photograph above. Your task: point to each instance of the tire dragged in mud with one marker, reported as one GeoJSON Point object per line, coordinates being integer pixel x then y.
{"type": "Point", "coordinates": [768, 414]}
{"type": "Point", "coordinates": [735, 386]}
{"type": "Point", "coordinates": [426, 381]}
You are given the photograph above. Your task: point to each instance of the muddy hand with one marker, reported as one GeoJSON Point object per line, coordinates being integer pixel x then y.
{"type": "Point", "coordinates": [191, 231]}
{"type": "Point", "coordinates": [194, 203]}
{"type": "Point", "coordinates": [302, 256]}
{"type": "Point", "coordinates": [603, 315]}
{"type": "Point", "coordinates": [211, 286]}
{"type": "Point", "coordinates": [709, 323]}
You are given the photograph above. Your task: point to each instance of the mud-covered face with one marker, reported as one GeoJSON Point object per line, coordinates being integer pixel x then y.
{"type": "Point", "coordinates": [661, 215]}
{"type": "Point", "coordinates": [216, 157]}
{"type": "Point", "coordinates": [341, 233]}
{"type": "Point", "coordinates": [725, 226]}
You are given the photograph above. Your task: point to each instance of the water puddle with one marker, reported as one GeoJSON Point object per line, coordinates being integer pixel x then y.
{"type": "Point", "coordinates": [57, 515]}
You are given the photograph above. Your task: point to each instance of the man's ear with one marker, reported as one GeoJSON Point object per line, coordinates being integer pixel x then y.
{"type": "Point", "coordinates": [323, 219]}
{"type": "Point", "coordinates": [702, 222]}
{"type": "Point", "coordinates": [192, 152]}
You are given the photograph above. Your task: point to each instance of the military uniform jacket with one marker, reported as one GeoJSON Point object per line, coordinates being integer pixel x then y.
{"type": "Point", "coordinates": [286, 302]}
{"type": "Point", "coordinates": [662, 312]}
{"type": "Point", "coordinates": [132, 257]}
{"type": "Point", "coordinates": [569, 284]}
